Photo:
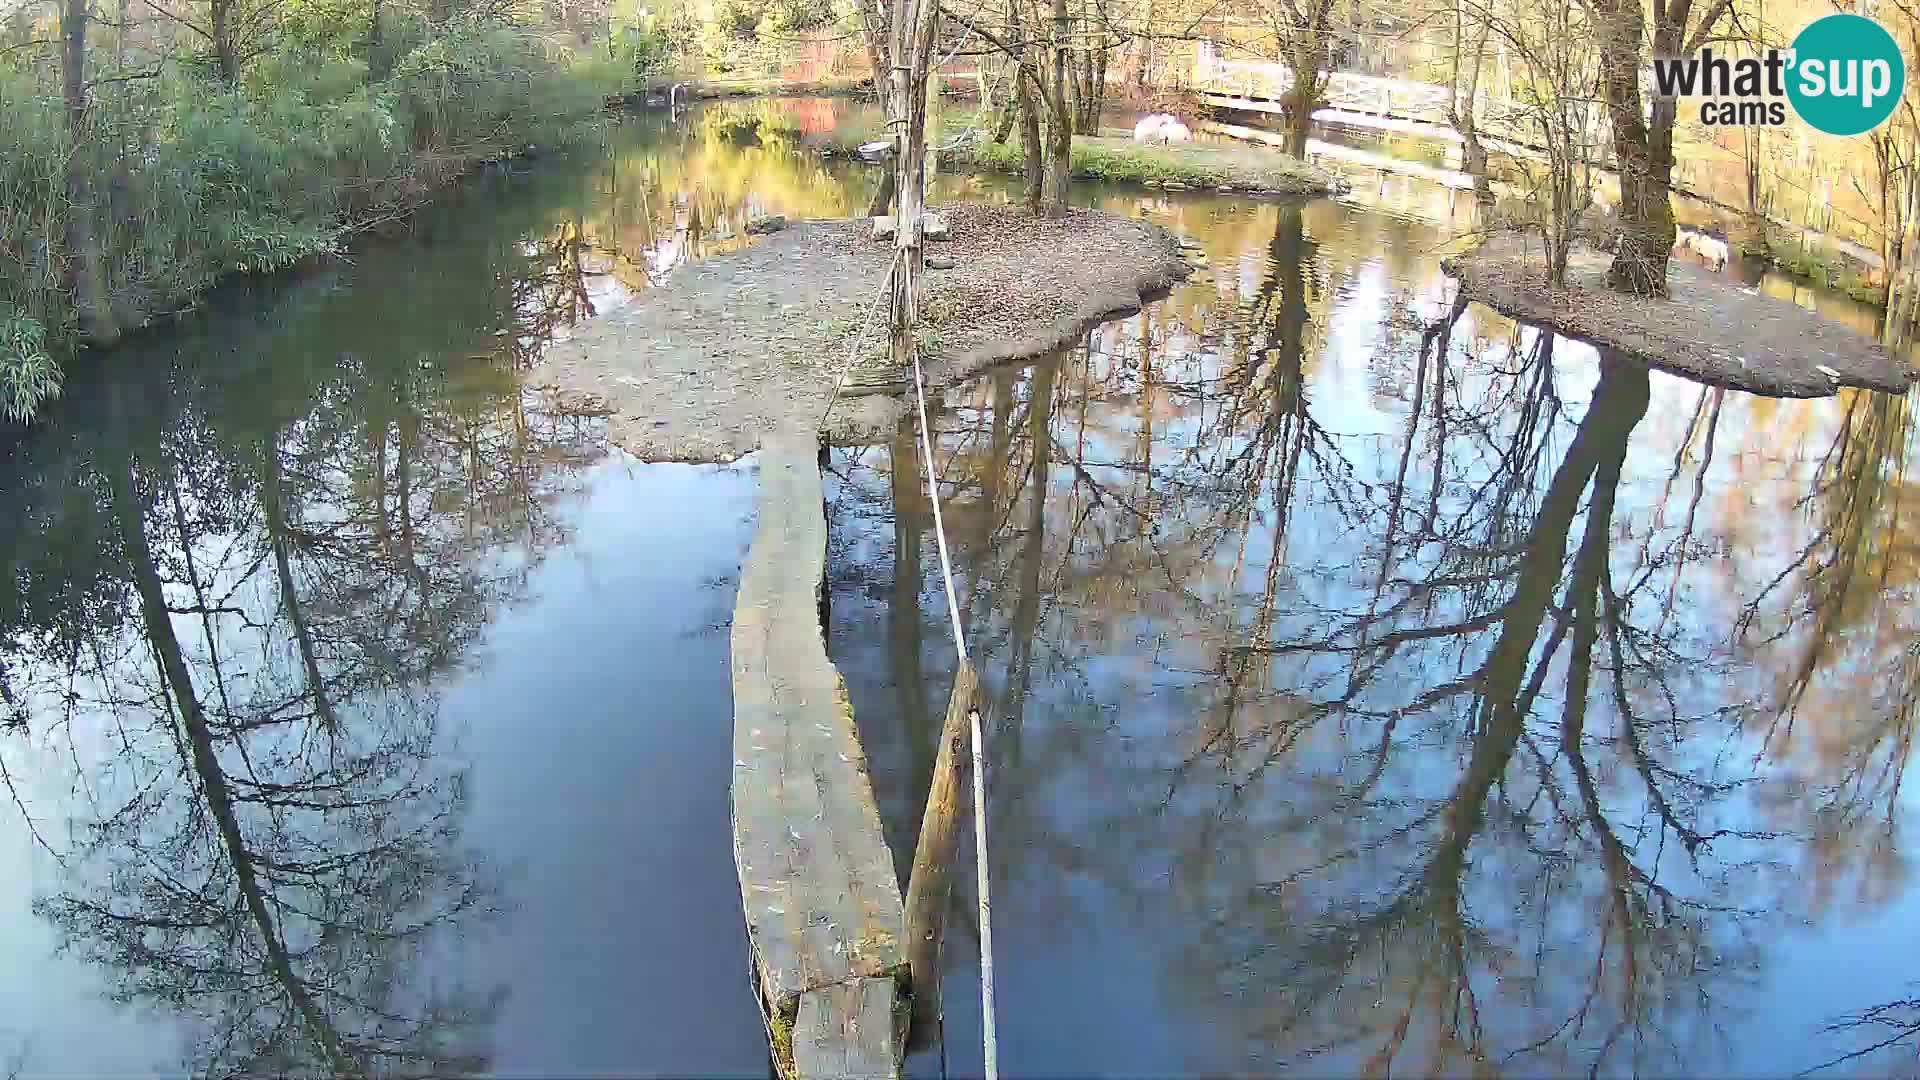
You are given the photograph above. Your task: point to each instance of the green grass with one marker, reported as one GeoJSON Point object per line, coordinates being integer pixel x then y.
{"type": "Point", "coordinates": [1192, 165]}
{"type": "Point", "coordinates": [1123, 161]}
{"type": "Point", "coordinates": [1824, 270]}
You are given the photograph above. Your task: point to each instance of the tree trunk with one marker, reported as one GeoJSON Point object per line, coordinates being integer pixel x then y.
{"type": "Point", "coordinates": [883, 198]}
{"type": "Point", "coordinates": [1103, 59]}
{"type": "Point", "coordinates": [1302, 99]}
{"type": "Point", "coordinates": [1031, 147]}
{"type": "Point", "coordinates": [873, 33]}
{"type": "Point", "coordinates": [1010, 111]}
{"type": "Point", "coordinates": [120, 37]}
{"type": "Point", "coordinates": [1060, 131]}
{"type": "Point", "coordinates": [1464, 101]}
{"type": "Point", "coordinates": [1026, 83]}
{"type": "Point", "coordinates": [911, 47]}
{"type": "Point", "coordinates": [1138, 76]}
{"type": "Point", "coordinates": [376, 45]}
{"type": "Point", "coordinates": [86, 270]}
{"type": "Point", "coordinates": [1643, 153]}
{"type": "Point", "coordinates": [225, 59]}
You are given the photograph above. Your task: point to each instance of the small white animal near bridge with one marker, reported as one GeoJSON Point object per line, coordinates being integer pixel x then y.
{"type": "Point", "coordinates": [1161, 128]}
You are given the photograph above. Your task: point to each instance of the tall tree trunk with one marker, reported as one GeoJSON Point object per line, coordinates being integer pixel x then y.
{"type": "Point", "coordinates": [225, 58]}
{"type": "Point", "coordinates": [1030, 142]}
{"type": "Point", "coordinates": [1102, 60]}
{"type": "Point", "coordinates": [1060, 134]}
{"type": "Point", "coordinates": [1469, 58]}
{"type": "Point", "coordinates": [1026, 83]}
{"type": "Point", "coordinates": [87, 270]}
{"type": "Point", "coordinates": [1642, 150]}
{"type": "Point", "coordinates": [911, 47]}
{"type": "Point", "coordinates": [873, 34]}
{"type": "Point", "coordinates": [883, 197]}
{"type": "Point", "coordinates": [1302, 98]}
{"type": "Point", "coordinates": [120, 36]}
{"type": "Point", "coordinates": [1009, 112]}
{"type": "Point", "coordinates": [376, 44]}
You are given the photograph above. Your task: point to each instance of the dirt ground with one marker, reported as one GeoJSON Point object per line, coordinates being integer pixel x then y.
{"type": "Point", "coordinates": [752, 342]}
{"type": "Point", "coordinates": [1710, 328]}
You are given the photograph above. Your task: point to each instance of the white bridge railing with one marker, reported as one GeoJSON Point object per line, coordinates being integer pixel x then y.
{"type": "Point", "coordinates": [1368, 94]}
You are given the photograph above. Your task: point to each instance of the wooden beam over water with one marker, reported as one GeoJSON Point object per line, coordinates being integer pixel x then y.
{"type": "Point", "coordinates": [931, 882]}
{"type": "Point", "coordinates": [824, 915]}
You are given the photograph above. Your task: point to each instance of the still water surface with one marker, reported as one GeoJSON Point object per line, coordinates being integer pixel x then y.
{"type": "Point", "coordinates": [1375, 685]}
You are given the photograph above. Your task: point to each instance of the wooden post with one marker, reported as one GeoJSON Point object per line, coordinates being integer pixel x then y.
{"type": "Point", "coordinates": [930, 884]}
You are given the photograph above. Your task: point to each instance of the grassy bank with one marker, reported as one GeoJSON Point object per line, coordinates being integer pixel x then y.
{"type": "Point", "coordinates": [1121, 160]}
{"type": "Point", "coordinates": [1825, 270]}
{"type": "Point", "coordinates": [1184, 165]}
{"type": "Point", "coordinates": [193, 178]}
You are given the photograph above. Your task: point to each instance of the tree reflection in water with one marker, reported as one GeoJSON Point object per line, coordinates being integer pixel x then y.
{"type": "Point", "coordinates": [1460, 724]}
{"type": "Point", "coordinates": [269, 574]}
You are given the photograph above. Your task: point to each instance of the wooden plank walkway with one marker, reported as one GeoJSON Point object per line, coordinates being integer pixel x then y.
{"type": "Point", "coordinates": [824, 914]}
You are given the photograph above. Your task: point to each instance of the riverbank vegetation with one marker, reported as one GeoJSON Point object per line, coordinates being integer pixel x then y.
{"type": "Point", "coordinates": [1112, 159]}
{"type": "Point", "coordinates": [1185, 165]}
{"type": "Point", "coordinates": [147, 153]}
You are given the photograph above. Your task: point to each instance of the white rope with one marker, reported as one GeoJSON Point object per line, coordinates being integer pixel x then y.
{"type": "Point", "coordinates": [853, 347]}
{"type": "Point", "coordinates": [989, 1038]}
{"type": "Point", "coordinates": [933, 496]}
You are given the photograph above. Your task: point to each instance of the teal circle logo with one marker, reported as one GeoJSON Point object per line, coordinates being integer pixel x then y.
{"type": "Point", "coordinates": [1846, 74]}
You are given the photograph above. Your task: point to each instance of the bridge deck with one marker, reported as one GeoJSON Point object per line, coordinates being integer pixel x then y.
{"type": "Point", "coordinates": [823, 908]}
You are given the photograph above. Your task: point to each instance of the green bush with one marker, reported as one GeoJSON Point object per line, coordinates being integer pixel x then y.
{"type": "Point", "coordinates": [645, 53]}
{"type": "Point", "coordinates": [261, 176]}
{"type": "Point", "coordinates": [28, 376]}
{"type": "Point", "coordinates": [33, 152]}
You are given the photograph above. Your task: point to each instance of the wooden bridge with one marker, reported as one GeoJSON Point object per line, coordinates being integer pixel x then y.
{"type": "Point", "coordinates": [823, 908]}
{"type": "Point", "coordinates": [1399, 106]}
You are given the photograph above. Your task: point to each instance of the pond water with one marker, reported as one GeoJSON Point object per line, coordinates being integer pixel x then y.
{"type": "Point", "coordinates": [1374, 685]}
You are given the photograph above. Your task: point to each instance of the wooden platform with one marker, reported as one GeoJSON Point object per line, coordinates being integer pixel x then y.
{"type": "Point", "coordinates": [823, 907]}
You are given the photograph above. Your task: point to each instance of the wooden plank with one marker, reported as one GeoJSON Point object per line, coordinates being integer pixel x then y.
{"type": "Point", "coordinates": [817, 881]}
{"type": "Point", "coordinates": [850, 1030]}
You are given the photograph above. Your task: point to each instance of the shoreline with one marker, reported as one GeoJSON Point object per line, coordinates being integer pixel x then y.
{"type": "Point", "coordinates": [1249, 171]}
{"type": "Point", "coordinates": [735, 348]}
{"type": "Point", "coordinates": [1709, 329]}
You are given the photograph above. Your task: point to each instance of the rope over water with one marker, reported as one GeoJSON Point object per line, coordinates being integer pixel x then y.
{"type": "Point", "coordinates": [988, 1035]}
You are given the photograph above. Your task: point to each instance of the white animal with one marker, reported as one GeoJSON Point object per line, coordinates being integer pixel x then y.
{"type": "Point", "coordinates": [1712, 250]}
{"type": "Point", "coordinates": [1161, 128]}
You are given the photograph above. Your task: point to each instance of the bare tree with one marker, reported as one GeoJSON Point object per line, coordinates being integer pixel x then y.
{"type": "Point", "coordinates": [1643, 132]}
